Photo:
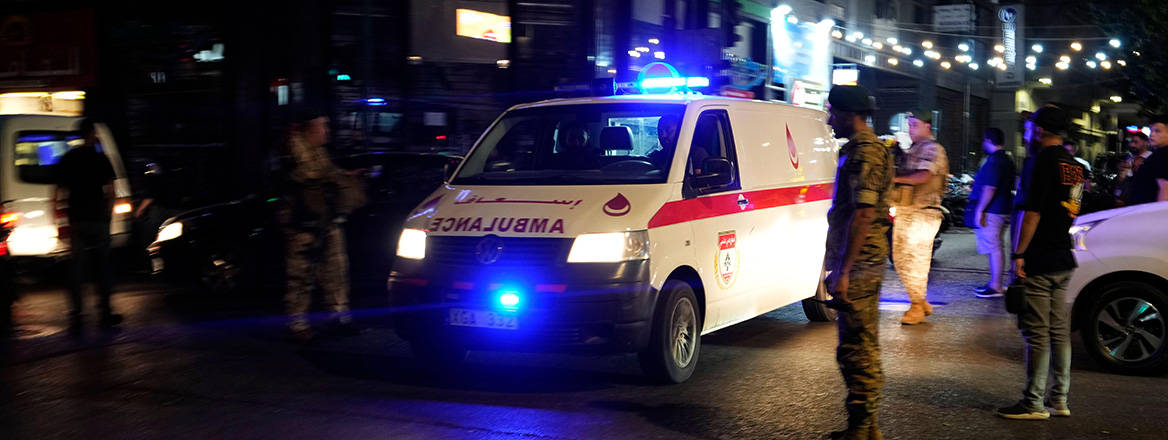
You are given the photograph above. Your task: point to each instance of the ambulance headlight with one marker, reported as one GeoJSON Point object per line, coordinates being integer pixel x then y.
{"type": "Point", "coordinates": [412, 244]}
{"type": "Point", "coordinates": [610, 247]}
{"type": "Point", "coordinates": [170, 232]}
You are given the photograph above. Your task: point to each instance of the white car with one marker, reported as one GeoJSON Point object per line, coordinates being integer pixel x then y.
{"type": "Point", "coordinates": [1120, 289]}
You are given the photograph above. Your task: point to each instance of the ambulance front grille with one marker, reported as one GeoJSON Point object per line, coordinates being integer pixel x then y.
{"type": "Point", "coordinates": [516, 251]}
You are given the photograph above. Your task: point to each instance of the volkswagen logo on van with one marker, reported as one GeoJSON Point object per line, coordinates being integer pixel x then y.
{"type": "Point", "coordinates": [489, 249]}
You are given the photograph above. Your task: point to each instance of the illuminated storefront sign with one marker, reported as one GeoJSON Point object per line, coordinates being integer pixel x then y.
{"type": "Point", "coordinates": [802, 57]}
{"type": "Point", "coordinates": [483, 26]}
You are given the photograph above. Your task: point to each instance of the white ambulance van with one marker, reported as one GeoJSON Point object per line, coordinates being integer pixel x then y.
{"type": "Point", "coordinates": [620, 224]}
{"type": "Point", "coordinates": [32, 142]}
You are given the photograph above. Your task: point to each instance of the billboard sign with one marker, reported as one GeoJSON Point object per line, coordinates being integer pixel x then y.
{"type": "Point", "coordinates": [1013, 39]}
{"type": "Point", "coordinates": [483, 25]}
{"type": "Point", "coordinates": [953, 18]}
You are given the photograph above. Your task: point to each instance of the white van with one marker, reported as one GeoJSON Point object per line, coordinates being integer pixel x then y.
{"type": "Point", "coordinates": [31, 144]}
{"type": "Point", "coordinates": [634, 247]}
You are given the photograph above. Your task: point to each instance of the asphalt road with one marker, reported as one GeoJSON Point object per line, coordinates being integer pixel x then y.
{"type": "Point", "coordinates": [187, 367]}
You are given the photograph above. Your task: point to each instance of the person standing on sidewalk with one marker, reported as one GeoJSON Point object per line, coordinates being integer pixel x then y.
{"type": "Point", "coordinates": [1149, 184]}
{"type": "Point", "coordinates": [920, 182]}
{"type": "Point", "coordinates": [992, 200]}
{"type": "Point", "coordinates": [857, 247]}
{"type": "Point", "coordinates": [1043, 261]}
{"type": "Point", "coordinates": [85, 179]}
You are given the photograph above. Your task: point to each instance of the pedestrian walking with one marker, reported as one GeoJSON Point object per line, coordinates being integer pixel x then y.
{"type": "Point", "coordinates": [318, 196]}
{"type": "Point", "coordinates": [992, 200]}
{"type": "Point", "coordinates": [85, 181]}
{"type": "Point", "coordinates": [1043, 261]}
{"type": "Point", "coordinates": [857, 247]}
{"type": "Point", "coordinates": [1150, 182]}
{"type": "Point", "coordinates": [920, 183]}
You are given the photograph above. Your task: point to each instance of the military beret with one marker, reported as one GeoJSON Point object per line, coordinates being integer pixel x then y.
{"type": "Point", "coordinates": [922, 115]}
{"type": "Point", "coordinates": [850, 98]}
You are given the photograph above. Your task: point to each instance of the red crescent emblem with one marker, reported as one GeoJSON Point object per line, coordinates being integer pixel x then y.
{"type": "Point", "coordinates": [794, 151]}
{"type": "Point", "coordinates": [618, 206]}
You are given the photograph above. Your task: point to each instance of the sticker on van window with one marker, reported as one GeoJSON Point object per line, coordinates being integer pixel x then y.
{"type": "Point", "coordinates": [726, 259]}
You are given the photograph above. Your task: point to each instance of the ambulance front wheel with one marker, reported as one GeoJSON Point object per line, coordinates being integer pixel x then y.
{"type": "Point", "coordinates": [815, 310]}
{"type": "Point", "coordinates": [675, 337]}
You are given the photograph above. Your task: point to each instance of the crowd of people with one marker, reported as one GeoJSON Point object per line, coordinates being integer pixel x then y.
{"type": "Point", "coordinates": [1039, 204]}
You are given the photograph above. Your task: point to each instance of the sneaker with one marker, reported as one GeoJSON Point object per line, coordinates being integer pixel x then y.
{"type": "Point", "coordinates": [988, 293]}
{"type": "Point", "coordinates": [1058, 409]}
{"type": "Point", "coordinates": [981, 289]}
{"type": "Point", "coordinates": [1018, 411]}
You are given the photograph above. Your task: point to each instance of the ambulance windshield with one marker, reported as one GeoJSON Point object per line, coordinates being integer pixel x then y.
{"type": "Point", "coordinates": [580, 144]}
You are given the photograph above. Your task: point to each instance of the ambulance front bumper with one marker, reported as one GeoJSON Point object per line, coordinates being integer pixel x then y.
{"type": "Point", "coordinates": [588, 307]}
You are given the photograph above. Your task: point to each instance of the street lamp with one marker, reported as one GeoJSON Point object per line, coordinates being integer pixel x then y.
{"type": "Point", "coordinates": [1037, 48]}
{"type": "Point", "coordinates": [927, 44]}
{"type": "Point", "coordinates": [1114, 43]}
{"type": "Point", "coordinates": [1076, 46]}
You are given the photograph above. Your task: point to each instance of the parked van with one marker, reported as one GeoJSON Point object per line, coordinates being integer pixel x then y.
{"type": "Point", "coordinates": [626, 224]}
{"type": "Point", "coordinates": [30, 146]}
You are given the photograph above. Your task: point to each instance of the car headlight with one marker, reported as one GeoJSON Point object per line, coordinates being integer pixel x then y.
{"type": "Point", "coordinates": [170, 232]}
{"type": "Point", "coordinates": [412, 244]}
{"type": "Point", "coordinates": [1079, 234]}
{"type": "Point", "coordinates": [610, 247]}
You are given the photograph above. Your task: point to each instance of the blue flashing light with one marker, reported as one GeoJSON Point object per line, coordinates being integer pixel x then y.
{"type": "Point", "coordinates": [1133, 128]}
{"type": "Point", "coordinates": [509, 299]}
{"type": "Point", "coordinates": [343, 77]}
{"type": "Point", "coordinates": [375, 102]}
{"type": "Point", "coordinates": [661, 83]}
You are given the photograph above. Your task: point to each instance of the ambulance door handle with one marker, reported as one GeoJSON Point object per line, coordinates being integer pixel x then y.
{"type": "Point", "coordinates": [743, 202]}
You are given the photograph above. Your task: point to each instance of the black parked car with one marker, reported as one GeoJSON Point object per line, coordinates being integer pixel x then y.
{"type": "Point", "coordinates": [225, 246]}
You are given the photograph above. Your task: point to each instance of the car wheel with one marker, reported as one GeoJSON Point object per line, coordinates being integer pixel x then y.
{"type": "Point", "coordinates": [815, 310]}
{"type": "Point", "coordinates": [1125, 329]}
{"type": "Point", "coordinates": [675, 339]}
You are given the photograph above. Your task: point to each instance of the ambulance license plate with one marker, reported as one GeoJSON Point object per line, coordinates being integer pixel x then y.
{"type": "Point", "coordinates": [481, 318]}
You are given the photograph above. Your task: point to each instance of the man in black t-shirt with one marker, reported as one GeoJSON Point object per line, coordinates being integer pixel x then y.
{"type": "Point", "coordinates": [1043, 261]}
{"type": "Point", "coordinates": [1150, 182]}
{"type": "Point", "coordinates": [87, 179]}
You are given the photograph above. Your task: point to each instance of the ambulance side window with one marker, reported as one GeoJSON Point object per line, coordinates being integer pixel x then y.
{"type": "Point", "coordinates": [712, 139]}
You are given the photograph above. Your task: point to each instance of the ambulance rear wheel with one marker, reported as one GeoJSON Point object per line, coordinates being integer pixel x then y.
{"type": "Point", "coordinates": [675, 339]}
{"type": "Point", "coordinates": [815, 310]}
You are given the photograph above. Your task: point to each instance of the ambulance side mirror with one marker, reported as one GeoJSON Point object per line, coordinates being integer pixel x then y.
{"type": "Point", "coordinates": [449, 169]}
{"type": "Point", "coordinates": [716, 172]}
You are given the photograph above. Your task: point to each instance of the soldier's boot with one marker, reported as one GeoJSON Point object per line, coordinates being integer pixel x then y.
{"type": "Point", "coordinates": [860, 423]}
{"type": "Point", "coordinates": [914, 315]}
{"type": "Point", "coordinates": [928, 308]}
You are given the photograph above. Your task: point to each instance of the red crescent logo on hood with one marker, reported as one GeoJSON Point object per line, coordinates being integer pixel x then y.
{"type": "Point", "coordinates": [792, 149]}
{"type": "Point", "coordinates": [618, 206]}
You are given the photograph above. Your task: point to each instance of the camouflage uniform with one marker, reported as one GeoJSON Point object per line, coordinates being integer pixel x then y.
{"type": "Point", "coordinates": [864, 177]}
{"type": "Point", "coordinates": [918, 217]}
{"type": "Point", "coordinates": [314, 242]}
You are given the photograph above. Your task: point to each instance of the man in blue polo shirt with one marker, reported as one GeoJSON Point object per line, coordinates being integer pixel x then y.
{"type": "Point", "coordinates": [991, 200]}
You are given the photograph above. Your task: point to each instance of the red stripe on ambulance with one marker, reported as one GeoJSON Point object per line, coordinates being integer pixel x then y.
{"type": "Point", "coordinates": [682, 211]}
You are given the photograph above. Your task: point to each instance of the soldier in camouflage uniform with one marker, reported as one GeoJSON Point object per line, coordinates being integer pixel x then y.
{"type": "Point", "coordinates": [318, 196]}
{"type": "Point", "coordinates": [920, 183]}
{"type": "Point", "coordinates": [857, 247]}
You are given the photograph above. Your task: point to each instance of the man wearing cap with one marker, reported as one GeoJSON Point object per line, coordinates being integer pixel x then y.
{"type": "Point", "coordinates": [920, 182]}
{"type": "Point", "coordinates": [1043, 261]}
{"type": "Point", "coordinates": [857, 247]}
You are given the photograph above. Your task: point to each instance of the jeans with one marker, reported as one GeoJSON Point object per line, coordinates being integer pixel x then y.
{"type": "Point", "coordinates": [1045, 325]}
{"type": "Point", "coordinates": [90, 244]}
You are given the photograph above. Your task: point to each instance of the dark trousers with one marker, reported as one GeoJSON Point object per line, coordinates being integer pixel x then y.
{"type": "Point", "coordinates": [90, 244]}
